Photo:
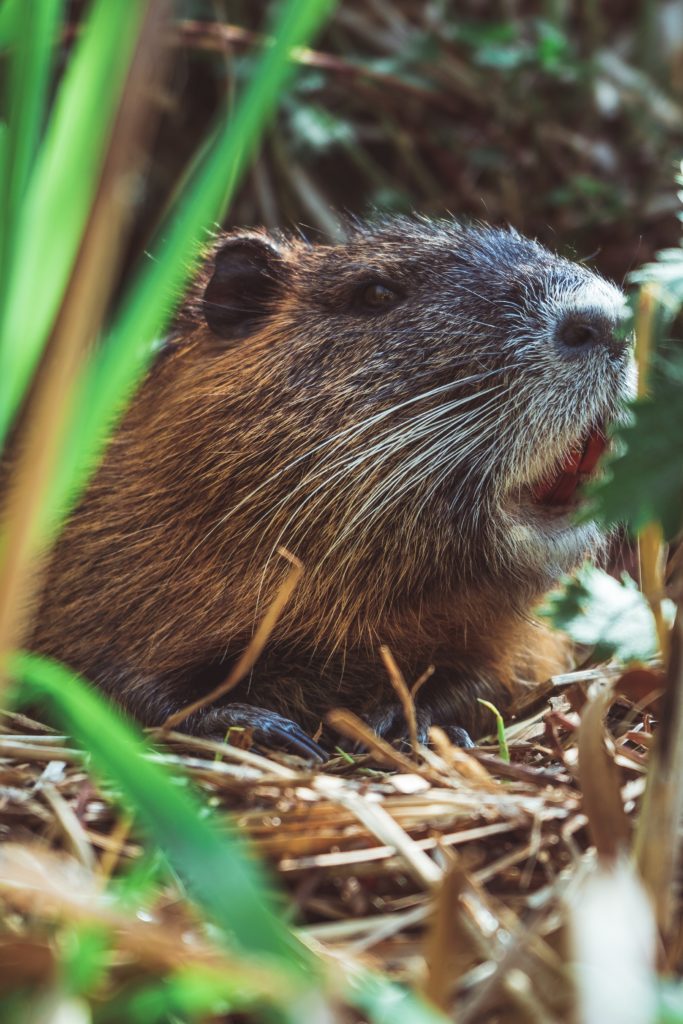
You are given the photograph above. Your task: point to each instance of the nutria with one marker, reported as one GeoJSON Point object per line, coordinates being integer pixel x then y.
{"type": "Point", "coordinates": [409, 412]}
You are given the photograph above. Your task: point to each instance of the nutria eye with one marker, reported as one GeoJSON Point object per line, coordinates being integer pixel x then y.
{"type": "Point", "coordinates": [377, 296]}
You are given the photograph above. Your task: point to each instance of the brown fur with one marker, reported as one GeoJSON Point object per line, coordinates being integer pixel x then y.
{"type": "Point", "coordinates": [228, 450]}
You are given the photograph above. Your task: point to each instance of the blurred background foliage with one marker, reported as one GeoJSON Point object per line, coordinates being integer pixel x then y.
{"type": "Point", "coordinates": [561, 118]}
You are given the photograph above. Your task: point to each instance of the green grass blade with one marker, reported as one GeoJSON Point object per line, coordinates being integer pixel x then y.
{"type": "Point", "coordinates": [3, 177]}
{"type": "Point", "coordinates": [58, 197]}
{"type": "Point", "coordinates": [30, 66]}
{"type": "Point", "coordinates": [10, 12]}
{"type": "Point", "coordinates": [387, 1003]}
{"type": "Point", "coordinates": [216, 868]}
{"type": "Point", "coordinates": [503, 749]}
{"type": "Point", "coordinates": [117, 368]}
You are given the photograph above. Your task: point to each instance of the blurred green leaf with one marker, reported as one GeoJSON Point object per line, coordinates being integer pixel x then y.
{"type": "Point", "coordinates": [552, 46]}
{"type": "Point", "coordinates": [392, 200]}
{"type": "Point", "coordinates": [190, 994]}
{"type": "Point", "coordinates": [84, 955]}
{"type": "Point", "coordinates": [667, 272]}
{"type": "Point", "coordinates": [387, 1003]}
{"type": "Point", "coordinates": [484, 33]}
{"type": "Point", "coordinates": [597, 611]}
{"type": "Point", "coordinates": [139, 884]}
{"type": "Point", "coordinates": [503, 58]}
{"type": "Point", "coordinates": [670, 999]}
{"type": "Point", "coordinates": [318, 130]}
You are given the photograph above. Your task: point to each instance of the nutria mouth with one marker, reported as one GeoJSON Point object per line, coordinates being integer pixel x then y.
{"type": "Point", "coordinates": [561, 488]}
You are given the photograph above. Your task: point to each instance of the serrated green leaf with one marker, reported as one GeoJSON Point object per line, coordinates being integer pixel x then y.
{"type": "Point", "coordinates": [597, 611]}
{"type": "Point", "coordinates": [643, 481]}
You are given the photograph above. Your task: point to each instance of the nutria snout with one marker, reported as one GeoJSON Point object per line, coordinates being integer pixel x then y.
{"type": "Point", "coordinates": [411, 413]}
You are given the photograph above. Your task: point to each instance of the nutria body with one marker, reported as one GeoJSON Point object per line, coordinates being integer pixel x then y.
{"type": "Point", "coordinates": [389, 410]}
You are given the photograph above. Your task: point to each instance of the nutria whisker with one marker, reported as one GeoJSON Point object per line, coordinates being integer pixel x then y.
{"type": "Point", "coordinates": [340, 437]}
{"type": "Point", "coordinates": [393, 445]}
{"type": "Point", "coordinates": [431, 456]}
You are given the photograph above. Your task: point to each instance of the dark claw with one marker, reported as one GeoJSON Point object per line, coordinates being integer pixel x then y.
{"type": "Point", "coordinates": [268, 728]}
{"type": "Point", "coordinates": [459, 737]}
{"type": "Point", "coordinates": [390, 724]}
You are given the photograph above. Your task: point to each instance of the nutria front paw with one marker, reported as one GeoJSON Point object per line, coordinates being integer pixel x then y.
{"type": "Point", "coordinates": [268, 728]}
{"type": "Point", "coordinates": [390, 724]}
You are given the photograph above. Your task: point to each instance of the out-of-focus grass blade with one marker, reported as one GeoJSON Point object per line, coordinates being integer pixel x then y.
{"type": "Point", "coordinates": [9, 14]}
{"type": "Point", "coordinates": [3, 174]}
{"type": "Point", "coordinates": [30, 66]}
{"type": "Point", "coordinates": [217, 870]}
{"type": "Point", "coordinates": [122, 360]}
{"type": "Point", "coordinates": [387, 1003]}
{"type": "Point", "coordinates": [48, 226]}
{"type": "Point", "coordinates": [190, 994]}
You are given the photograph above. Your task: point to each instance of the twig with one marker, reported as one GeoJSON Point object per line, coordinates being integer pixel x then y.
{"type": "Point", "coordinates": [351, 727]}
{"type": "Point", "coordinates": [658, 837]}
{"type": "Point", "coordinates": [403, 693]}
{"type": "Point", "coordinates": [250, 656]}
{"type": "Point", "coordinates": [650, 540]}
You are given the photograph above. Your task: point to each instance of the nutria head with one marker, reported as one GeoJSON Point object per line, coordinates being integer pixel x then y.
{"type": "Point", "coordinates": [416, 403]}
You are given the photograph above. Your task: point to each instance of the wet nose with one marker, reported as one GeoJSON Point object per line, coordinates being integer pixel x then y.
{"type": "Point", "coordinates": [581, 331]}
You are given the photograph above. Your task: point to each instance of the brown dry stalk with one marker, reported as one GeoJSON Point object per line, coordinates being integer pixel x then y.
{"type": "Point", "coordinates": [24, 542]}
{"type": "Point", "coordinates": [599, 778]}
{"type": "Point", "coordinates": [658, 840]}
{"type": "Point", "coordinates": [458, 760]}
{"type": "Point", "coordinates": [253, 651]}
{"type": "Point", "coordinates": [217, 37]}
{"type": "Point", "coordinates": [421, 680]}
{"type": "Point", "coordinates": [403, 693]}
{"type": "Point", "coordinates": [114, 850]}
{"type": "Point", "coordinates": [353, 728]}
{"type": "Point", "coordinates": [650, 541]}
{"type": "Point", "coordinates": [448, 947]}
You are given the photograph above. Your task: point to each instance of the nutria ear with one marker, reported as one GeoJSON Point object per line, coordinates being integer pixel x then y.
{"type": "Point", "coordinates": [248, 272]}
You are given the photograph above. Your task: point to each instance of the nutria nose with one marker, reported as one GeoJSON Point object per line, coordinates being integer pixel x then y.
{"type": "Point", "coordinates": [580, 331]}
